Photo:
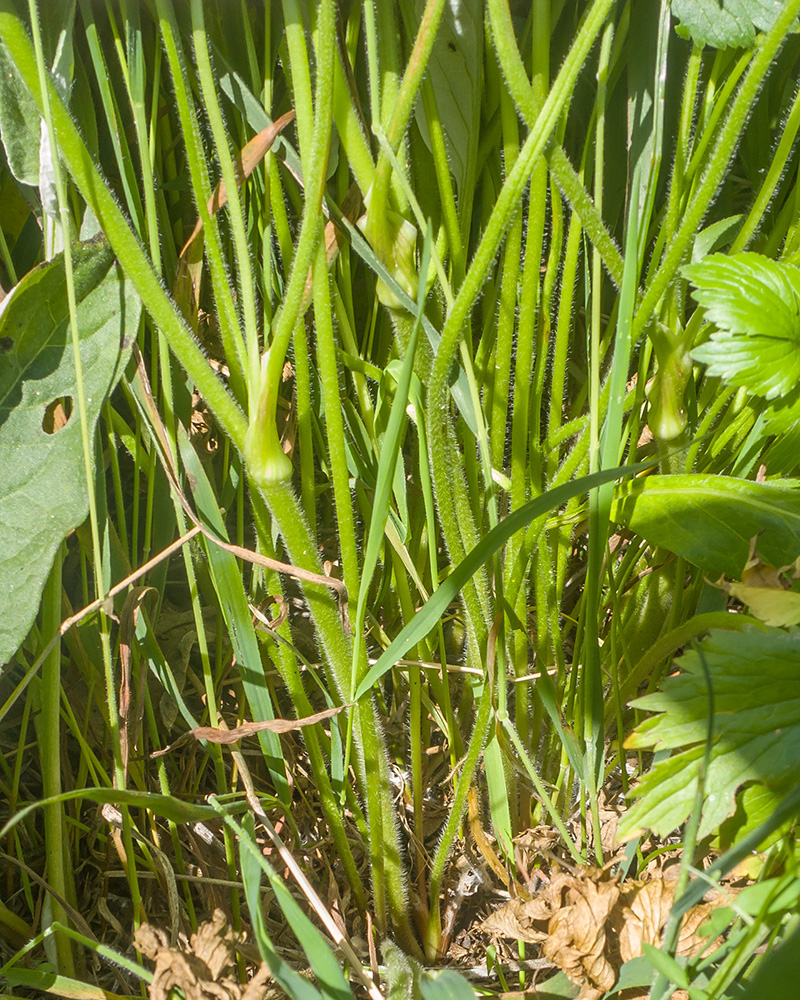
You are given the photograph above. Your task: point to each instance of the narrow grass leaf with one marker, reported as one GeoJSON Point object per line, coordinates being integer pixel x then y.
{"type": "Point", "coordinates": [319, 953]}
{"type": "Point", "coordinates": [390, 451]}
{"type": "Point", "coordinates": [60, 986]}
{"type": "Point", "coordinates": [167, 806]}
{"type": "Point", "coordinates": [292, 982]}
{"type": "Point", "coordinates": [236, 611]}
{"type": "Point", "coordinates": [425, 619]}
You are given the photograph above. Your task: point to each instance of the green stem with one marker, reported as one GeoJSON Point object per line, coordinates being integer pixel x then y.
{"type": "Point", "coordinates": [118, 230]}
{"type": "Point", "coordinates": [235, 349]}
{"type": "Point", "coordinates": [480, 734]}
{"type": "Point", "coordinates": [208, 87]}
{"type": "Point", "coordinates": [718, 163]}
{"type": "Point", "coordinates": [49, 733]}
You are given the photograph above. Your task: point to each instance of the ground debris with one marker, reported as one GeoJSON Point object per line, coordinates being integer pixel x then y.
{"type": "Point", "coordinates": [590, 923]}
{"type": "Point", "coordinates": [200, 969]}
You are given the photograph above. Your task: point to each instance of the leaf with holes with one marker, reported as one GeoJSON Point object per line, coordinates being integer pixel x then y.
{"type": "Point", "coordinates": [755, 678]}
{"type": "Point", "coordinates": [43, 493]}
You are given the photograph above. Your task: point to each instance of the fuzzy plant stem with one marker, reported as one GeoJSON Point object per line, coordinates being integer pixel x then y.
{"type": "Point", "coordinates": [119, 233]}
{"type": "Point", "coordinates": [389, 893]}
{"type": "Point", "coordinates": [718, 163]}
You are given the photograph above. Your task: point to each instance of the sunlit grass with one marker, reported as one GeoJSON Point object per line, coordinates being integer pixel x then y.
{"type": "Point", "coordinates": [413, 351]}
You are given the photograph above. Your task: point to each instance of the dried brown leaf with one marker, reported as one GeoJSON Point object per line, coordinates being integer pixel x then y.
{"type": "Point", "coordinates": [198, 972]}
{"type": "Point", "coordinates": [517, 920]}
{"type": "Point", "coordinates": [577, 936]}
{"type": "Point", "coordinates": [643, 916]}
{"type": "Point", "coordinates": [245, 163]}
{"type": "Point", "coordinates": [598, 924]}
{"type": "Point", "coordinates": [214, 944]}
{"type": "Point", "coordinates": [249, 729]}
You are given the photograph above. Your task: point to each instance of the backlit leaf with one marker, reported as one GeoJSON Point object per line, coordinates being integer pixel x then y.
{"type": "Point", "coordinates": [725, 23]}
{"type": "Point", "coordinates": [455, 74]}
{"type": "Point", "coordinates": [710, 520]}
{"type": "Point", "coordinates": [755, 676]}
{"type": "Point", "coordinates": [755, 304]}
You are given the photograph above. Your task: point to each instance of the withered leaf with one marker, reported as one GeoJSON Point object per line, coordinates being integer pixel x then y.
{"type": "Point", "coordinates": [517, 919]}
{"type": "Point", "coordinates": [640, 921]}
{"type": "Point", "coordinates": [198, 971]}
{"type": "Point", "coordinates": [577, 935]}
{"type": "Point", "coordinates": [250, 729]}
{"type": "Point", "coordinates": [244, 164]}
{"type": "Point", "coordinates": [598, 923]}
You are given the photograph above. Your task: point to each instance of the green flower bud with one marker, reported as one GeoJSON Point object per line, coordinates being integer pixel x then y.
{"type": "Point", "coordinates": [394, 240]}
{"type": "Point", "coordinates": [267, 463]}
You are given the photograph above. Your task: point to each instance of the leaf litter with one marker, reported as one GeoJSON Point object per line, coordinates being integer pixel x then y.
{"type": "Point", "coordinates": [202, 968]}
{"type": "Point", "coordinates": [589, 923]}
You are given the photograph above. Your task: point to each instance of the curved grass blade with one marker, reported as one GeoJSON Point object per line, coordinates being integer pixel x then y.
{"type": "Point", "coordinates": [322, 960]}
{"type": "Point", "coordinates": [166, 806]}
{"type": "Point", "coordinates": [422, 623]}
{"type": "Point", "coordinates": [389, 453]}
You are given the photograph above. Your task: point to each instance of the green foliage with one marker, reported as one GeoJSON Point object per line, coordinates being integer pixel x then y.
{"type": "Point", "coordinates": [19, 122]}
{"type": "Point", "coordinates": [43, 460]}
{"type": "Point", "coordinates": [755, 305]}
{"type": "Point", "coordinates": [456, 75]}
{"type": "Point", "coordinates": [776, 975]}
{"type": "Point", "coordinates": [324, 394]}
{"type": "Point", "coordinates": [754, 718]}
{"type": "Point", "coordinates": [711, 520]}
{"type": "Point", "coordinates": [725, 24]}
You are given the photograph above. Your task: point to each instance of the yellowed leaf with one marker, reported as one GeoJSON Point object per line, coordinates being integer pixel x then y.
{"type": "Point", "coordinates": [765, 590]}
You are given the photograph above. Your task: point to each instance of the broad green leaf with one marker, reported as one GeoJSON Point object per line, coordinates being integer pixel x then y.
{"type": "Point", "coordinates": [776, 977]}
{"type": "Point", "coordinates": [715, 236]}
{"type": "Point", "coordinates": [755, 804]}
{"type": "Point", "coordinates": [755, 304]}
{"type": "Point", "coordinates": [20, 121]}
{"type": "Point", "coordinates": [774, 896]}
{"type": "Point", "coordinates": [43, 493]}
{"type": "Point", "coordinates": [455, 70]}
{"type": "Point", "coordinates": [725, 24]}
{"type": "Point", "coordinates": [710, 520]}
{"type": "Point", "coordinates": [755, 677]}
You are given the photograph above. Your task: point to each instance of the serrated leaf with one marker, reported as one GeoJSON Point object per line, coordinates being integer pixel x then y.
{"type": "Point", "coordinates": [725, 24]}
{"type": "Point", "coordinates": [710, 520]}
{"type": "Point", "coordinates": [755, 304]}
{"type": "Point", "coordinates": [756, 725]}
{"type": "Point", "coordinates": [43, 493]}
